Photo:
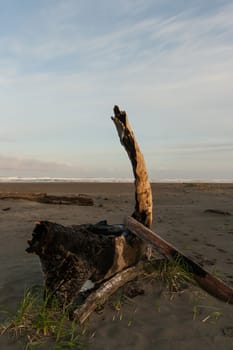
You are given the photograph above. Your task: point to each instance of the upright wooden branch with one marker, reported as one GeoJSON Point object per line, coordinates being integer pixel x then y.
{"type": "Point", "coordinates": [108, 254]}
{"type": "Point", "coordinates": [143, 193]}
{"type": "Point", "coordinates": [72, 255]}
{"type": "Point", "coordinates": [142, 212]}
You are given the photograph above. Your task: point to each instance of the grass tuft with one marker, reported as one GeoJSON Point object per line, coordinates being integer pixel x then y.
{"type": "Point", "coordinates": [40, 321]}
{"type": "Point", "coordinates": [175, 275]}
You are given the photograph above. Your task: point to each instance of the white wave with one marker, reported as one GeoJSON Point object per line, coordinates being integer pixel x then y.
{"type": "Point", "coordinates": [15, 179]}
{"type": "Point", "coordinates": [18, 179]}
{"type": "Point", "coordinates": [194, 180]}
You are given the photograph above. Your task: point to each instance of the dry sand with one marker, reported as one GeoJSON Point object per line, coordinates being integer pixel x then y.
{"type": "Point", "coordinates": [157, 319]}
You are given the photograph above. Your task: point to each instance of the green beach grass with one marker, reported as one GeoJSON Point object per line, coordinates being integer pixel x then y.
{"type": "Point", "coordinates": [40, 321]}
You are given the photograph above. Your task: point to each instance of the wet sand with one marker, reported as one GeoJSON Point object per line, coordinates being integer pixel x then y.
{"type": "Point", "coordinates": [157, 319]}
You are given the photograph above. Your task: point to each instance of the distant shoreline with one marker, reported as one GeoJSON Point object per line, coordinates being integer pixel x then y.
{"type": "Point", "coordinates": [100, 188]}
{"type": "Point", "coordinates": [44, 180]}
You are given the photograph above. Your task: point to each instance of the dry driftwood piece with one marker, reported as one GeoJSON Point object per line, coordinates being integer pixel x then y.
{"type": "Point", "coordinates": [80, 199]}
{"type": "Point", "coordinates": [6, 209]}
{"type": "Point", "coordinates": [109, 254]}
{"type": "Point", "coordinates": [101, 295]}
{"type": "Point", "coordinates": [143, 193]}
{"type": "Point", "coordinates": [217, 211]}
{"type": "Point", "coordinates": [72, 255]}
{"type": "Point", "coordinates": [207, 281]}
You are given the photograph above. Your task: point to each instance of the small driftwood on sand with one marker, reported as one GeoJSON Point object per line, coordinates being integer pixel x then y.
{"type": "Point", "coordinates": [80, 199]}
{"type": "Point", "coordinates": [109, 255]}
{"type": "Point", "coordinates": [217, 211]}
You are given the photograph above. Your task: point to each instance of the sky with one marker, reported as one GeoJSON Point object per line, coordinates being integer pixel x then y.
{"type": "Point", "coordinates": [64, 64]}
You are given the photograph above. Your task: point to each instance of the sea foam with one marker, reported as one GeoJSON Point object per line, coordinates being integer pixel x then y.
{"type": "Point", "coordinates": [19, 179]}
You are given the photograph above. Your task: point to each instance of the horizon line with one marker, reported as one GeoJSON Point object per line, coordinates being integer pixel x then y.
{"type": "Point", "coordinates": [47, 179]}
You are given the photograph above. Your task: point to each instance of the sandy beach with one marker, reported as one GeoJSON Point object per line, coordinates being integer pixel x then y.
{"type": "Point", "coordinates": [157, 319]}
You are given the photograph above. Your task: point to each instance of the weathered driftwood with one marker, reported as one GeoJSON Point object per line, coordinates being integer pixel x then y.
{"type": "Point", "coordinates": [143, 193]}
{"type": "Point", "coordinates": [6, 209]}
{"type": "Point", "coordinates": [217, 211]}
{"type": "Point", "coordinates": [101, 295]}
{"type": "Point", "coordinates": [207, 281]}
{"type": "Point", "coordinates": [72, 255]}
{"type": "Point", "coordinates": [80, 199]}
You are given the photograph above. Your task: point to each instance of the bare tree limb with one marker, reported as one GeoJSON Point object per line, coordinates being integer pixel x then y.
{"type": "Point", "coordinates": [143, 193]}
{"type": "Point", "coordinates": [72, 255]}
{"type": "Point", "coordinates": [208, 282]}
{"type": "Point", "coordinates": [109, 287]}
{"type": "Point", "coordinates": [142, 212]}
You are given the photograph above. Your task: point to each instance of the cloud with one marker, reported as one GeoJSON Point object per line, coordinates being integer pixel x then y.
{"type": "Point", "coordinates": [135, 38]}
{"type": "Point", "coordinates": [170, 67]}
{"type": "Point", "coordinates": [86, 165]}
{"type": "Point", "coordinates": [207, 160]}
{"type": "Point", "coordinates": [196, 147]}
{"type": "Point", "coordinates": [30, 166]}
{"type": "Point", "coordinates": [7, 138]}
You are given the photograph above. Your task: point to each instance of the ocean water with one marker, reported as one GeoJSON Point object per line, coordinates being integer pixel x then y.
{"type": "Point", "coordinates": [15, 179]}
{"type": "Point", "coordinates": [18, 179]}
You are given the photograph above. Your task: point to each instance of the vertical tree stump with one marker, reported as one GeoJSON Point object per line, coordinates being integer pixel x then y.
{"type": "Point", "coordinates": [143, 193]}
{"type": "Point", "coordinates": [108, 253]}
{"type": "Point", "coordinates": [72, 255]}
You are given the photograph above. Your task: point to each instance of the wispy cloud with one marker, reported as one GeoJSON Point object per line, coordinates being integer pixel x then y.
{"type": "Point", "coordinates": [6, 138]}
{"type": "Point", "coordinates": [207, 147]}
{"type": "Point", "coordinates": [20, 164]}
{"type": "Point", "coordinates": [169, 65]}
{"type": "Point", "coordinates": [35, 167]}
{"type": "Point", "coordinates": [141, 37]}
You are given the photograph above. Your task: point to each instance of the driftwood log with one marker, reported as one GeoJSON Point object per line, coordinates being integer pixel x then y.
{"type": "Point", "coordinates": [80, 199]}
{"type": "Point", "coordinates": [109, 287]}
{"type": "Point", "coordinates": [108, 254]}
{"type": "Point", "coordinates": [72, 255]}
{"type": "Point", "coordinates": [143, 193]}
{"type": "Point", "coordinates": [217, 211]}
{"type": "Point", "coordinates": [207, 281]}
